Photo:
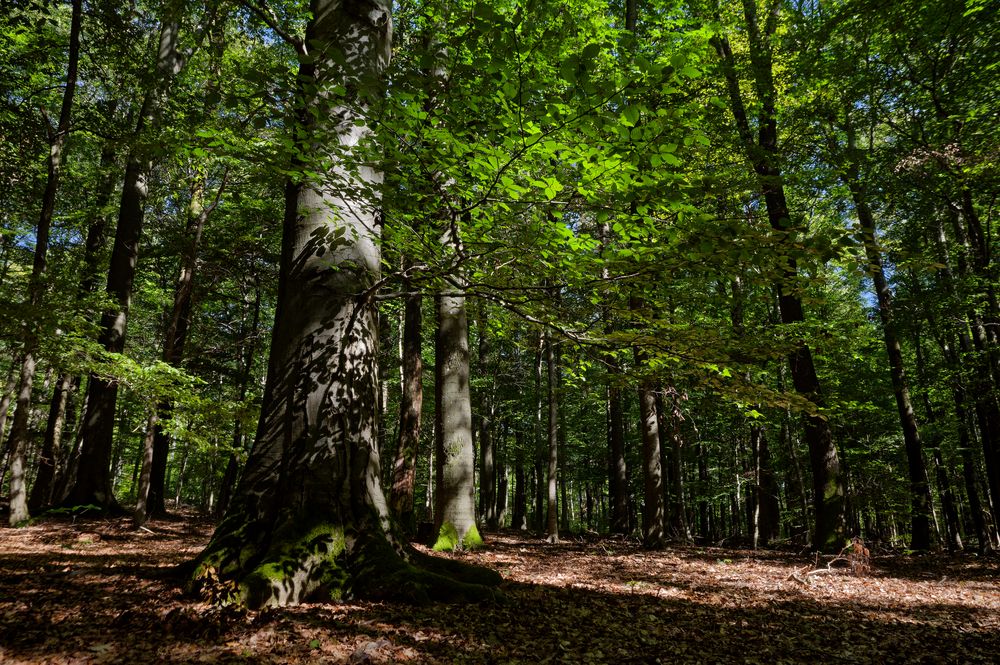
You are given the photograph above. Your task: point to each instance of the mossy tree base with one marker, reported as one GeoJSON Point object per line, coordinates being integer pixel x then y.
{"type": "Point", "coordinates": [448, 539]}
{"type": "Point", "coordinates": [323, 562]}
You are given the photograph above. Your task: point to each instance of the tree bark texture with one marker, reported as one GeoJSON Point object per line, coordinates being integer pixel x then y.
{"type": "Point", "coordinates": [653, 536]}
{"type": "Point", "coordinates": [309, 519]}
{"type": "Point", "coordinates": [404, 469]}
{"type": "Point", "coordinates": [455, 509]}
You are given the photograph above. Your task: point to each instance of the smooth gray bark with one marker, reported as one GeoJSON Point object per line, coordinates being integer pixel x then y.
{"type": "Point", "coordinates": [551, 516]}
{"type": "Point", "coordinates": [455, 510]}
{"type": "Point", "coordinates": [310, 499]}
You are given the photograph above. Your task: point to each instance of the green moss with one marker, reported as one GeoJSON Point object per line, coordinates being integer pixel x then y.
{"type": "Point", "coordinates": [472, 540]}
{"type": "Point", "coordinates": [302, 559]}
{"type": "Point", "coordinates": [449, 541]}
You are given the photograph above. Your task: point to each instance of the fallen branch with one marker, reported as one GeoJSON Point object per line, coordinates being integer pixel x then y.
{"type": "Point", "coordinates": [855, 556]}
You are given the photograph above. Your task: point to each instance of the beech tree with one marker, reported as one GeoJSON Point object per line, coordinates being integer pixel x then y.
{"type": "Point", "coordinates": [309, 516]}
{"type": "Point", "coordinates": [678, 221]}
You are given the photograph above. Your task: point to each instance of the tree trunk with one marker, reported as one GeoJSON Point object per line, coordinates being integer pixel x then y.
{"type": "Point", "coordinates": [617, 472]}
{"type": "Point", "coordinates": [670, 425]}
{"type": "Point", "coordinates": [828, 484]}
{"type": "Point", "coordinates": [92, 484]}
{"type": "Point", "coordinates": [19, 424]}
{"type": "Point", "coordinates": [920, 495]}
{"type": "Point", "coordinates": [970, 475]}
{"type": "Point", "coordinates": [68, 384]}
{"type": "Point", "coordinates": [704, 526]}
{"type": "Point", "coordinates": [519, 517]}
{"type": "Point", "coordinates": [150, 500]}
{"type": "Point", "coordinates": [49, 460]}
{"type": "Point", "coordinates": [487, 458]}
{"type": "Point", "coordinates": [309, 519]}
{"type": "Point", "coordinates": [404, 471]}
{"type": "Point", "coordinates": [552, 515]}
{"type": "Point", "coordinates": [502, 486]}
{"type": "Point", "coordinates": [652, 509]}
{"type": "Point", "coordinates": [455, 510]}
{"type": "Point", "coordinates": [5, 400]}
{"type": "Point", "coordinates": [987, 414]}
{"type": "Point", "coordinates": [247, 355]}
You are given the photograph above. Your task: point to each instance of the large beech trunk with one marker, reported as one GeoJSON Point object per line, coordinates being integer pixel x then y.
{"type": "Point", "coordinates": [308, 518]}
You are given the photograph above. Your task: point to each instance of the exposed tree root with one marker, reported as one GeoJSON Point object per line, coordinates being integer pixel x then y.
{"type": "Point", "coordinates": [325, 563]}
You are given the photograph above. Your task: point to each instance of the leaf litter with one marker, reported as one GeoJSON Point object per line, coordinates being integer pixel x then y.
{"type": "Point", "coordinates": [100, 591]}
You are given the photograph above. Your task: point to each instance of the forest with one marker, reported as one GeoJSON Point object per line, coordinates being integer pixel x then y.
{"type": "Point", "coordinates": [649, 315]}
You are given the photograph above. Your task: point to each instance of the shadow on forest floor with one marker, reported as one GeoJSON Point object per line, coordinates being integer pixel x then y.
{"type": "Point", "coordinates": [99, 591]}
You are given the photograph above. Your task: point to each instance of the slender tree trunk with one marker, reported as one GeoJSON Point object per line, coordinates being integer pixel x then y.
{"type": "Point", "coordinates": [552, 515]}
{"type": "Point", "coordinates": [653, 536]}
{"type": "Point", "coordinates": [487, 472]}
{"type": "Point", "coordinates": [617, 472]}
{"type": "Point", "coordinates": [502, 486]}
{"type": "Point", "coordinates": [50, 458]}
{"type": "Point", "coordinates": [565, 487]}
{"type": "Point", "coordinates": [430, 501]}
{"type": "Point", "coordinates": [704, 525]}
{"type": "Point", "coordinates": [92, 484]}
{"type": "Point", "coordinates": [68, 384]}
{"type": "Point", "coordinates": [952, 525]}
{"type": "Point", "coordinates": [19, 424]}
{"type": "Point", "coordinates": [248, 356]}
{"type": "Point", "coordinates": [519, 518]}
{"type": "Point", "coordinates": [618, 475]}
{"type": "Point", "coordinates": [670, 425]}
{"type": "Point", "coordinates": [987, 413]}
{"type": "Point", "coordinates": [828, 484]}
{"type": "Point", "coordinates": [5, 400]}
{"type": "Point", "coordinates": [920, 495]}
{"type": "Point", "coordinates": [404, 470]}
{"type": "Point", "coordinates": [150, 500]}
{"type": "Point", "coordinates": [965, 443]}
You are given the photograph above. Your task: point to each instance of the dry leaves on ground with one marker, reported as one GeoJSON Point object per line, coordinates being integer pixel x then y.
{"type": "Point", "coordinates": [102, 592]}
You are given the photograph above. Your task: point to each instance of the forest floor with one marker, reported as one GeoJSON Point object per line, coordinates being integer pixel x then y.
{"type": "Point", "coordinates": [101, 592]}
